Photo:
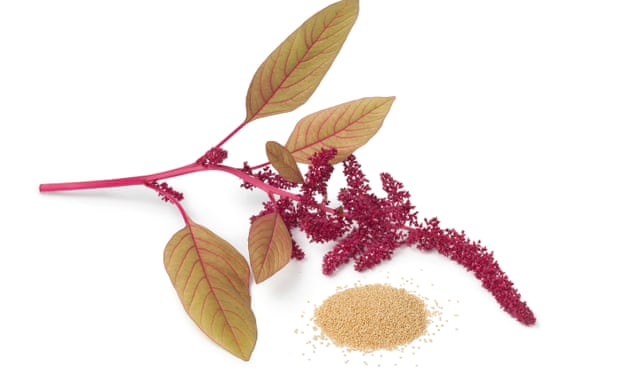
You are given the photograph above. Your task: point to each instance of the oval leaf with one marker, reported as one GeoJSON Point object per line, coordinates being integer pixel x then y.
{"type": "Point", "coordinates": [345, 127]}
{"type": "Point", "coordinates": [213, 283]}
{"type": "Point", "coordinates": [283, 162]}
{"type": "Point", "coordinates": [293, 71]}
{"type": "Point", "coordinates": [270, 245]}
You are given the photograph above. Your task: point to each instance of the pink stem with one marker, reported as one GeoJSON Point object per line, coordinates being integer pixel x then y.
{"type": "Point", "coordinates": [229, 136]}
{"type": "Point", "coordinates": [142, 180]}
{"type": "Point", "coordinates": [260, 166]}
{"type": "Point", "coordinates": [118, 182]}
{"type": "Point", "coordinates": [254, 181]}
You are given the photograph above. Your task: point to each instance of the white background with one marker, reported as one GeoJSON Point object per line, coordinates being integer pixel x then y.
{"type": "Point", "coordinates": [505, 125]}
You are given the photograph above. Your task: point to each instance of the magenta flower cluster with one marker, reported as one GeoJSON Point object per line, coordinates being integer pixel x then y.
{"type": "Point", "coordinates": [214, 156]}
{"type": "Point", "coordinates": [368, 228]}
{"type": "Point", "coordinates": [166, 192]}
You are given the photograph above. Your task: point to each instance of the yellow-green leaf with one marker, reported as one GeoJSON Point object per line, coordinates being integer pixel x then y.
{"type": "Point", "coordinates": [283, 162]}
{"type": "Point", "coordinates": [345, 127]}
{"type": "Point", "coordinates": [270, 245]}
{"type": "Point", "coordinates": [212, 280]}
{"type": "Point", "coordinates": [293, 71]}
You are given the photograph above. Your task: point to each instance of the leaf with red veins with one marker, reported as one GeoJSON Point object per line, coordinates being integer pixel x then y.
{"type": "Point", "coordinates": [345, 127]}
{"type": "Point", "coordinates": [270, 245]}
{"type": "Point", "coordinates": [212, 280]}
{"type": "Point", "coordinates": [293, 71]}
{"type": "Point", "coordinates": [283, 162]}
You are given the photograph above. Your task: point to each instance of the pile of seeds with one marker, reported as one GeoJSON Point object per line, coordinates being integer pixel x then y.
{"type": "Point", "coordinates": [372, 317]}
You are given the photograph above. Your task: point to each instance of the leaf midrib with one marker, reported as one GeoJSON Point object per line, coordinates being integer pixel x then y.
{"type": "Point", "coordinates": [211, 287]}
{"type": "Point", "coordinates": [336, 132]}
{"type": "Point", "coordinates": [275, 91]}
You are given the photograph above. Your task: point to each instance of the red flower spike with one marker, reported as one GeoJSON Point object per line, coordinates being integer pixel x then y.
{"type": "Point", "coordinates": [474, 257]}
{"type": "Point", "coordinates": [297, 254]}
{"type": "Point", "coordinates": [368, 228]}
{"type": "Point", "coordinates": [345, 249]}
{"type": "Point", "coordinates": [319, 173]}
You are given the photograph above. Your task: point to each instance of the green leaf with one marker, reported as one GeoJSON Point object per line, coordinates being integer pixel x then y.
{"type": "Point", "coordinates": [270, 245]}
{"type": "Point", "coordinates": [213, 282]}
{"type": "Point", "coordinates": [345, 127]}
{"type": "Point", "coordinates": [283, 162]}
{"type": "Point", "coordinates": [293, 71]}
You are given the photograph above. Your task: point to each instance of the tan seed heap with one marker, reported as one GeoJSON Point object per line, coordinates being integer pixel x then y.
{"type": "Point", "coordinates": [372, 317]}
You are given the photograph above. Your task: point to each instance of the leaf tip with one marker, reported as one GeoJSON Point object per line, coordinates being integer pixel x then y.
{"type": "Point", "coordinates": [389, 99]}
{"type": "Point", "coordinates": [282, 82]}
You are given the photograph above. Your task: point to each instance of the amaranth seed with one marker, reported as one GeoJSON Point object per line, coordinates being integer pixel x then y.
{"type": "Point", "coordinates": [372, 317]}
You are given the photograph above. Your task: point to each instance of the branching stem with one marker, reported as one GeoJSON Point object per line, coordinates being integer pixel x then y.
{"type": "Point", "coordinates": [147, 179]}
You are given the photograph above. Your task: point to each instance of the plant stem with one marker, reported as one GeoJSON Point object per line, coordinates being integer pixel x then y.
{"type": "Point", "coordinates": [254, 181]}
{"type": "Point", "coordinates": [118, 182]}
{"type": "Point", "coordinates": [146, 179]}
{"type": "Point", "coordinates": [172, 199]}
{"type": "Point", "coordinates": [259, 166]}
{"type": "Point", "coordinates": [231, 134]}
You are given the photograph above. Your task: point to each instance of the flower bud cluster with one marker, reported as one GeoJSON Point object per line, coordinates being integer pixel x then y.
{"type": "Point", "coordinates": [166, 192]}
{"type": "Point", "coordinates": [214, 156]}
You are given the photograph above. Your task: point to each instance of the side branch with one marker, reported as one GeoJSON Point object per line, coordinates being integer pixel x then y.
{"type": "Point", "coordinates": [254, 181]}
